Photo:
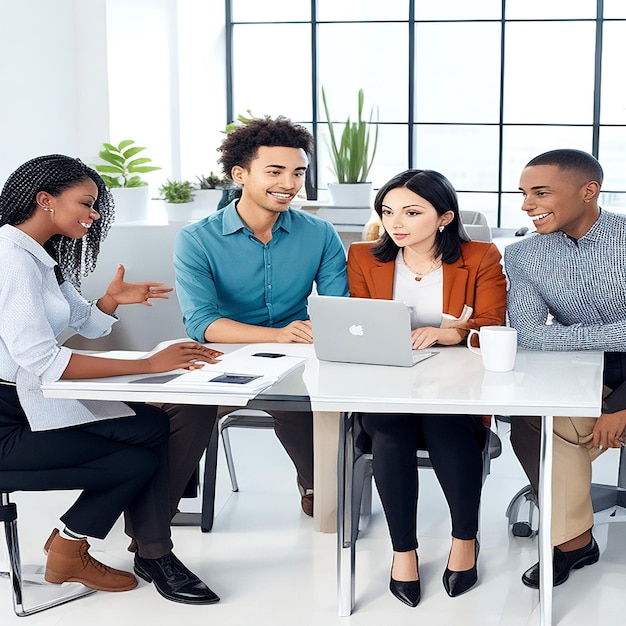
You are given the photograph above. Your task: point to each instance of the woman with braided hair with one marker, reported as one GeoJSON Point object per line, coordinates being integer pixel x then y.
{"type": "Point", "coordinates": [54, 213]}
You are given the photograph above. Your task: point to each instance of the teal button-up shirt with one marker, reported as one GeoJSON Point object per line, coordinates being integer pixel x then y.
{"type": "Point", "coordinates": [224, 271]}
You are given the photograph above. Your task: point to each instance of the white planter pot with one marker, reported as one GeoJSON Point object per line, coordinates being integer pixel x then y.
{"type": "Point", "coordinates": [207, 198]}
{"type": "Point", "coordinates": [179, 212]}
{"type": "Point", "coordinates": [132, 204]}
{"type": "Point", "coordinates": [351, 194]}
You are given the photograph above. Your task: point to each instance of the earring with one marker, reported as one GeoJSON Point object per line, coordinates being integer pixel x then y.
{"type": "Point", "coordinates": [44, 208]}
{"type": "Point", "coordinates": [441, 229]}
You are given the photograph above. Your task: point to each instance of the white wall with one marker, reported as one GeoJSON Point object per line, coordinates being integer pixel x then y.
{"type": "Point", "coordinates": [53, 77]}
{"type": "Point", "coordinates": [75, 73]}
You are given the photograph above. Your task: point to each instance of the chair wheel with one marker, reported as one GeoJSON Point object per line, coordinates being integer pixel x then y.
{"type": "Point", "coordinates": [522, 529]}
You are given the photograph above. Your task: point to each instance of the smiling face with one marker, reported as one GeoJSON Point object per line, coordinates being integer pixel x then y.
{"type": "Point", "coordinates": [558, 199]}
{"type": "Point", "coordinates": [71, 212]}
{"type": "Point", "coordinates": [273, 179]}
{"type": "Point", "coordinates": [410, 220]}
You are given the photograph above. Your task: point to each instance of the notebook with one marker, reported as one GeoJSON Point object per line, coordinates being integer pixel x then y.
{"type": "Point", "coordinates": [363, 330]}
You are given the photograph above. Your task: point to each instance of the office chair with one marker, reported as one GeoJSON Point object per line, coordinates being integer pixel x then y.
{"type": "Point", "coordinates": [476, 225]}
{"type": "Point", "coordinates": [603, 498]}
{"type": "Point", "coordinates": [239, 418]}
{"type": "Point", "coordinates": [9, 482]}
{"type": "Point", "coordinates": [354, 500]}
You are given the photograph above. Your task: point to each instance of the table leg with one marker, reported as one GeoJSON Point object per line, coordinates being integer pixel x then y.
{"type": "Point", "coordinates": [545, 522]}
{"type": "Point", "coordinates": [345, 534]}
{"type": "Point", "coordinates": [325, 440]}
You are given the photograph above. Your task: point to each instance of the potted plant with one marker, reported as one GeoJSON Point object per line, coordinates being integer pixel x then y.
{"type": "Point", "coordinates": [177, 193]}
{"type": "Point", "coordinates": [121, 173]}
{"type": "Point", "coordinates": [351, 156]}
{"type": "Point", "coordinates": [209, 190]}
{"type": "Point", "coordinates": [212, 181]}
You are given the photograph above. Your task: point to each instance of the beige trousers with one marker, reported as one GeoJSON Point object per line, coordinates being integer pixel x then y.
{"type": "Point", "coordinates": [572, 512]}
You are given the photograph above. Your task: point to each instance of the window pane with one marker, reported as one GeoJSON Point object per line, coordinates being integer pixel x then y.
{"type": "Point", "coordinates": [611, 157]}
{"type": "Point", "coordinates": [275, 11]}
{"type": "Point", "coordinates": [458, 10]}
{"type": "Point", "coordinates": [467, 155]}
{"type": "Point", "coordinates": [344, 69]}
{"type": "Point", "coordinates": [355, 10]}
{"type": "Point", "coordinates": [614, 202]}
{"type": "Point", "coordinates": [613, 110]}
{"type": "Point", "coordinates": [553, 9]}
{"type": "Point", "coordinates": [551, 82]}
{"type": "Point", "coordinates": [390, 159]}
{"type": "Point", "coordinates": [523, 143]}
{"type": "Point", "coordinates": [258, 84]}
{"type": "Point", "coordinates": [614, 9]}
{"type": "Point", "coordinates": [486, 203]}
{"type": "Point", "coordinates": [511, 215]}
{"type": "Point", "coordinates": [444, 77]}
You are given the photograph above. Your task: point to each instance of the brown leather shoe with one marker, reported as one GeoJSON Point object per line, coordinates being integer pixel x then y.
{"type": "Point", "coordinates": [70, 561]}
{"type": "Point", "coordinates": [307, 503]}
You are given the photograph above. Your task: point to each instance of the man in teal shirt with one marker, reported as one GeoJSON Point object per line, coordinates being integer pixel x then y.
{"type": "Point", "coordinates": [243, 275]}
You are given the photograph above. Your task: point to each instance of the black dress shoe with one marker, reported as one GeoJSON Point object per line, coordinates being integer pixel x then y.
{"type": "Point", "coordinates": [563, 563]}
{"type": "Point", "coordinates": [409, 592]}
{"type": "Point", "coordinates": [173, 580]}
{"type": "Point", "coordinates": [456, 583]}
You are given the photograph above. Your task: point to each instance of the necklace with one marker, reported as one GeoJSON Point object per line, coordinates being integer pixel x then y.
{"type": "Point", "coordinates": [435, 265]}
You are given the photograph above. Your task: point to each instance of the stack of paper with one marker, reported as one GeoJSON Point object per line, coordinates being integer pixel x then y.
{"type": "Point", "coordinates": [246, 371]}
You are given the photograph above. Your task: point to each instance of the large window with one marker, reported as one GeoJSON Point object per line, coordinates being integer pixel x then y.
{"type": "Point", "coordinates": [472, 89]}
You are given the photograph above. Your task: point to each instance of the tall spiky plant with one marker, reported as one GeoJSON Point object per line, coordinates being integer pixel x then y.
{"type": "Point", "coordinates": [352, 157]}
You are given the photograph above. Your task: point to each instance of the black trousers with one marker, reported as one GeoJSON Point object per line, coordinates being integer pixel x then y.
{"type": "Point", "coordinates": [190, 431]}
{"type": "Point", "coordinates": [455, 445]}
{"type": "Point", "coordinates": [120, 465]}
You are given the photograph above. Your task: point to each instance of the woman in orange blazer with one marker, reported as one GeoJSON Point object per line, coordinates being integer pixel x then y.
{"type": "Point", "coordinates": [424, 258]}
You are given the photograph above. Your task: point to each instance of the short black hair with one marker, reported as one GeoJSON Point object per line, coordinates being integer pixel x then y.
{"type": "Point", "coordinates": [54, 173]}
{"type": "Point", "coordinates": [241, 145]}
{"type": "Point", "coordinates": [438, 190]}
{"type": "Point", "coordinates": [570, 159]}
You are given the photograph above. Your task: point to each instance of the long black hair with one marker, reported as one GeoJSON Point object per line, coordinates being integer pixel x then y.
{"type": "Point", "coordinates": [54, 173]}
{"type": "Point", "coordinates": [438, 190]}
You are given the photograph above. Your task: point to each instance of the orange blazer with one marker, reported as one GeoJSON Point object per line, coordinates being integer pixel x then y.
{"type": "Point", "coordinates": [474, 287]}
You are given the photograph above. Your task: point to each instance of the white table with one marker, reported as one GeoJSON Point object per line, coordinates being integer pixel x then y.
{"type": "Point", "coordinates": [542, 384]}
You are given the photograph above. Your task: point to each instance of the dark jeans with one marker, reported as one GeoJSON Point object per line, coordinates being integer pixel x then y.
{"type": "Point", "coordinates": [190, 431]}
{"type": "Point", "coordinates": [455, 445]}
{"type": "Point", "coordinates": [120, 465]}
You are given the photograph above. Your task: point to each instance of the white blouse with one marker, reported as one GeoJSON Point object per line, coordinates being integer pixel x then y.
{"type": "Point", "coordinates": [35, 310]}
{"type": "Point", "coordinates": [423, 297]}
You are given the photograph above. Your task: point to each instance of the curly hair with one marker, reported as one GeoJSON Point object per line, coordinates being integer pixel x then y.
{"type": "Point", "coordinates": [436, 189]}
{"type": "Point", "coordinates": [54, 173]}
{"type": "Point", "coordinates": [241, 145]}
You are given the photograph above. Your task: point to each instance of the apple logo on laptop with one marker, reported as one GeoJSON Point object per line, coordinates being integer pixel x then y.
{"type": "Point", "coordinates": [356, 330]}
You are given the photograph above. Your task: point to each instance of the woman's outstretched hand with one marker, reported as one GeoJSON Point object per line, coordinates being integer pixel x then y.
{"type": "Point", "coordinates": [186, 354]}
{"type": "Point", "coordinates": [120, 292]}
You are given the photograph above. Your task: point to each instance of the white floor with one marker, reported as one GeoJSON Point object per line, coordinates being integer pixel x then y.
{"type": "Point", "coordinates": [268, 566]}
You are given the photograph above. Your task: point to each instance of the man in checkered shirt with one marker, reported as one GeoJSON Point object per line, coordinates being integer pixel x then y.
{"type": "Point", "coordinates": [567, 291]}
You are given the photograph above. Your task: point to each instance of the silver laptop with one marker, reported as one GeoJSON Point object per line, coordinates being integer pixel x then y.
{"type": "Point", "coordinates": [363, 330]}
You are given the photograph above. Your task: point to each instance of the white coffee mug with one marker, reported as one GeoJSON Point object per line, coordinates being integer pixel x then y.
{"type": "Point", "coordinates": [498, 347]}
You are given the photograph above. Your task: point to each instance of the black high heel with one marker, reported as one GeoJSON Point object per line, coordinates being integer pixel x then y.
{"type": "Point", "coordinates": [409, 592]}
{"type": "Point", "coordinates": [456, 583]}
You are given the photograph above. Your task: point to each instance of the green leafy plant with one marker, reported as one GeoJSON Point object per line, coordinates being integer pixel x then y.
{"type": "Point", "coordinates": [212, 181]}
{"type": "Point", "coordinates": [177, 192]}
{"type": "Point", "coordinates": [122, 169]}
{"type": "Point", "coordinates": [353, 155]}
{"type": "Point", "coordinates": [241, 120]}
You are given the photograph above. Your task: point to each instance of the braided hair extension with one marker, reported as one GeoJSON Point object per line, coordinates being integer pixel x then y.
{"type": "Point", "coordinates": [54, 174]}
